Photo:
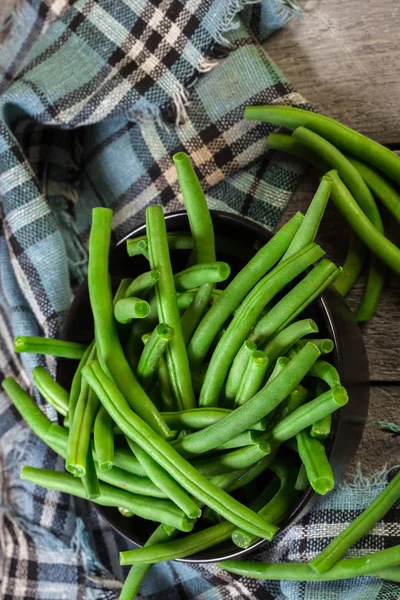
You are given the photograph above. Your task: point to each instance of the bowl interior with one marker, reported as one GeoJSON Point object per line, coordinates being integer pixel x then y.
{"type": "Point", "coordinates": [237, 240]}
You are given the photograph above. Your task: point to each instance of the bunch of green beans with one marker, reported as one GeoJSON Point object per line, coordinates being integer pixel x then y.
{"type": "Point", "coordinates": [215, 396]}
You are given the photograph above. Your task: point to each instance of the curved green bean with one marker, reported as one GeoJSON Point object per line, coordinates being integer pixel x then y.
{"type": "Point", "coordinates": [325, 371]}
{"type": "Point", "coordinates": [237, 370]}
{"type": "Point", "coordinates": [48, 346]}
{"type": "Point", "coordinates": [158, 510]}
{"type": "Point", "coordinates": [253, 377]}
{"type": "Point", "coordinates": [255, 409]}
{"type": "Point", "coordinates": [247, 315]}
{"type": "Point", "coordinates": [235, 460]}
{"type": "Point", "coordinates": [168, 312]}
{"type": "Point", "coordinates": [312, 219]}
{"type": "Point", "coordinates": [166, 456]}
{"type": "Point", "coordinates": [142, 284]}
{"type": "Point", "coordinates": [106, 333]}
{"type": "Point", "coordinates": [294, 302]}
{"type": "Point", "coordinates": [349, 140]}
{"type": "Point", "coordinates": [281, 503]}
{"type": "Point", "coordinates": [313, 456]}
{"type": "Point", "coordinates": [287, 337]}
{"type": "Point", "coordinates": [154, 348]}
{"type": "Point", "coordinates": [103, 439]}
{"type": "Point", "coordinates": [344, 569]}
{"type": "Point", "coordinates": [238, 288]}
{"type": "Point", "coordinates": [286, 143]}
{"type": "Point", "coordinates": [51, 391]}
{"type": "Point", "coordinates": [200, 274]}
{"type": "Point", "coordinates": [332, 553]}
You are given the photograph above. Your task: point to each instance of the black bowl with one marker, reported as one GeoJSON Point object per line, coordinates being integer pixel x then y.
{"type": "Point", "coordinates": [334, 320]}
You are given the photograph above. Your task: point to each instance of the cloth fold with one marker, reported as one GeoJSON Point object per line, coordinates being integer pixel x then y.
{"type": "Point", "coordinates": [96, 98]}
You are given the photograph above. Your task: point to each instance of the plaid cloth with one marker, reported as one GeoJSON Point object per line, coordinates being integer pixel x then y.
{"type": "Point", "coordinates": [96, 98]}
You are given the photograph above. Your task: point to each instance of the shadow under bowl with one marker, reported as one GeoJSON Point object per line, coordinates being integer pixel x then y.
{"type": "Point", "coordinates": [236, 240]}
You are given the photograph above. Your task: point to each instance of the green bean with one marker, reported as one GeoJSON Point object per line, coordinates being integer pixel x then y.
{"type": "Point", "coordinates": [199, 418]}
{"type": "Point", "coordinates": [246, 438]}
{"type": "Point", "coordinates": [247, 315]}
{"type": "Point", "coordinates": [237, 370]}
{"type": "Point", "coordinates": [321, 428]}
{"type": "Point", "coordinates": [121, 289]}
{"type": "Point", "coordinates": [158, 510]}
{"type": "Point", "coordinates": [313, 456]}
{"type": "Point", "coordinates": [127, 309]}
{"type": "Point", "coordinates": [103, 439]}
{"type": "Point", "coordinates": [344, 569]}
{"type": "Point", "coordinates": [324, 345]}
{"type": "Point", "coordinates": [165, 482]}
{"type": "Point", "coordinates": [357, 252]}
{"type": "Point", "coordinates": [124, 459]}
{"type": "Point", "coordinates": [296, 398]}
{"type": "Point", "coordinates": [164, 383]}
{"type": "Point", "coordinates": [176, 241]}
{"type": "Point", "coordinates": [90, 480]}
{"type": "Point", "coordinates": [153, 349]}
{"type": "Point", "coordinates": [390, 574]}
{"type": "Point", "coordinates": [370, 235]}
{"type": "Point", "coordinates": [349, 140]}
{"type": "Point", "coordinates": [253, 377]}
{"type": "Point", "coordinates": [280, 364]}
{"type": "Point", "coordinates": [142, 284]}
{"type": "Point", "coordinates": [255, 409]}
{"type": "Point", "coordinates": [383, 190]}
{"type": "Point", "coordinates": [235, 460]}
{"type": "Point", "coordinates": [287, 337]}
{"type": "Point", "coordinates": [200, 274]}
{"type": "Point", "coordinates": [177, 360]}
{"type": "Point", "coordinates": [302, 482]}
{"type": "Point", "coordinates": [312, 219]}
{"type": "Point", "coordinates": [42, 345]}
{"type": "Point", "coordinates": [306, 415]}
{"type": "Point", "coordinates": [106, 333]}
{"type": "Point", "coordinates": [51, 391]}
{"type": "Point", "coordinates": [76, 383]}
{"type": "Point", "coordinates": [293, 302]}
{"type": "Point", "coordinates": [279, 506]}
{"type": "Point", "coordinates": [80, 430]}
{"type": "Point", "coordinates": [192, 316]}
{"type": "Point", "coordinates": [166, 456]}
{"type": "Point", "coordinates": [247, 476]}
{"type": "Point", "coordinates": [238, 288]}
{"type": "Point", "coordinates": [125, 513]}
{"type": "Point", "coordinates": [136, 484]}
{"type": "Point", "coordinates": [357, 528]}
{"type": "Point", "coordinates": [325, 371]}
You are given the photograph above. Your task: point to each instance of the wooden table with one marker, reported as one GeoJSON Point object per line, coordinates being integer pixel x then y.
{"type": "Point", "coordinates": [344, 59]}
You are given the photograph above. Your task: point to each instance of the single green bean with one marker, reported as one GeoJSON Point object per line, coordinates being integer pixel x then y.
{"type": "Point", "coordinates": [76, 382]}
{"type": "Point", "coordinates": [176, 241]}
{"type": "Point", "coordinates": [164, 383]}
{"type": "Point", "coordinates": [154, 348]}
{"type": "Point", "coordinates": [127, 309]}
{"type": "Point", "coordinates": [106, 333]}
{"type": "Point", "coordinates": [246, 438]}
{"type": "Point", "coordinates": [177, 360]}
{"type": "Point", "coordinates": [200, 274]}
{"type": "Point", "coordinates": [237, 370]}
{"type": "Point", "coordinates": [370, 235]}
{"type": "Point", "coordinates": [125, 513]}
{"type": "Point", "coordinates": [332, 553]}
{"type": "Point", "coordinates": [279, 506]}
{"type": "Point", "coordinates": [287, 337]}
{"type": "Point", "coordinates": [293, 302]}
{"type": "Point", "coordinates": [312, 219]}
{"type": "Point", "coordinates": [165, 482]}
{"type": "Point", "coordinates": [158, 510]}
{"type": "Point", "coordinates": [296, 398]}
{"type": "Point", "coordinates": [344, 569]}
{"type": "Point", "coordinates": [349, 140]}
{"type": "Point", "coordinates": [280, 364]}
{"type": "Point", "coordinates": [103, 439]}
{"type": "Point", "coordinates": [313, 456]}
{"type": "Point", "coordinates": [247, 315]}
{"type": "Point", "coordinates": [42, 345]}
{"type": "Point", "coordinates": [235, 460]}
{"type": "Point", "coordinates": [166, 456]}
{"type": "Point", "coordinates": [192, 316]}
{"type": "Point", "coordinates": [321, 428]}
{"type": "Point", "coordinates": [286, 143]}
{"type": "Point", "coordinates": [255, 409]}
{"type": "Point", "coordinates": [306, 415]}
{"type": "Point", "coordinates": [238, 288]}
{"type": "Point", "coordinates": [200, 418]}
{"type": "Point", "coordinates": [325, 371]}
{"type": "Point", "coordinates": [80, 430]}
{"type": "Point", "coordinates": [302, 482]}
{"type": "Point", "coordinates": [390, 573]}
{"type": "Point", "coordinates": [253, 377]}
{"type": "Point", "coordinates": [324, 345]}
{"type": "Point", "coordinates": [51, 391]}
{"type": "Point", "coordinates": [121, 289]}
{"type": "Point", "coordinates": [90, 480]}
{"type": "Point", "coordinates": [135, 484]}
{"type": "Point", "coordinates": [142, 284]}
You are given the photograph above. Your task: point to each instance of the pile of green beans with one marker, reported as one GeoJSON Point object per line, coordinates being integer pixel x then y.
{"type": "Point", "coordinates": [361, 170]}
{"type": "Point", "coordinates": [192, 390]}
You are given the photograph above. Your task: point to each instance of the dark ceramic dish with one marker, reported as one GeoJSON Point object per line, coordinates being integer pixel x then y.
{"type": "Point", "coordinates": [332, 316]}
